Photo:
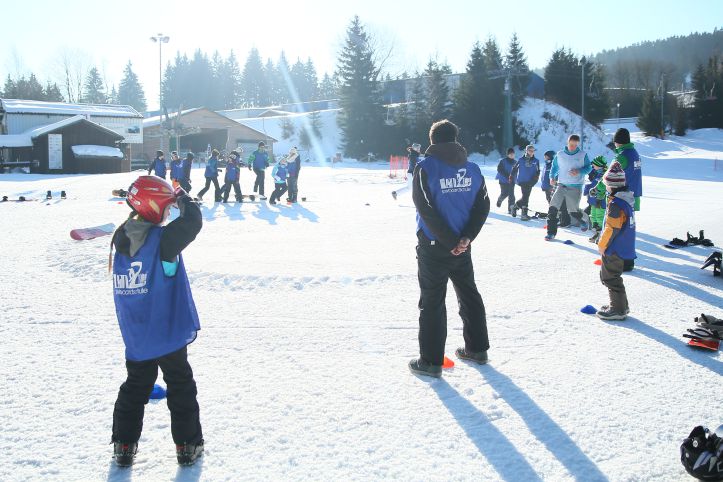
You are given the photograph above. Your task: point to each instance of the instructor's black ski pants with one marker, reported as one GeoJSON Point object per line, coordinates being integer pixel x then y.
{"type": "Point", "coordinates": [436, 265]}
{"type": "Point", "coordinates": [181, 398]}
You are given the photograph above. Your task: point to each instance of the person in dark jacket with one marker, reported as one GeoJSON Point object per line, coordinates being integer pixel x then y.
{"type": "Point", "coordinates": [176, 169]}
{"type": "Point", "coordinates": [211, 175]}
{"type": "Point", "coordinates": [507, 182]}
{"type": "Point", "coordinates": [452, 204]}
{"type": "Point", "coordinates": [526, 174]}
{"type": "Point", "coordinates": [629, 159]}
{"type": "Point", "coordinates": [186, 170]}
{"type": "Point", "coordinates": [156, 315]}
{"type": "Point", "coordinates": [293, 168]}
{"type": "Point", "coordinates": [233, 173]}
{"type": "Point", "coordinates": [158, 165]}
{"type": "Point", "coordinates": [414, 153]}
{"type": "Point", "coordinates": [259, 161]}
{"type": "Point", "coordinates": [545, 185]}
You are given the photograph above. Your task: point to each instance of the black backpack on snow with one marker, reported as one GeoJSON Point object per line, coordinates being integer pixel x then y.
{"type": "Point", "coordinates": [702, 454]}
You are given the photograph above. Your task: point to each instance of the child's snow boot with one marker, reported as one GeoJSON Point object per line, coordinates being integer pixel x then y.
{"type": "Point", "coordinates": [187, 454]}
{"type": "Point", "coordinates": [124, 453]}
{"type": "Point", "coordinates": [525, 216]}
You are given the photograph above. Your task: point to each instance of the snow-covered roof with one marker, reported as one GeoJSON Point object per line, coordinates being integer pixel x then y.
{"type": "Point", "coordinates": [19, 106]}
{"type": "Point", "coordinates": [97, 151]}
{"type": "Point", "coordinates": [39, 131]}
{"type": "Point", "coordinates": [16, 140]}
{"type": "Point", "coordinates": [154, 121]}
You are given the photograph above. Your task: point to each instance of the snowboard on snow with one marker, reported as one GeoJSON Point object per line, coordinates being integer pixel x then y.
{"type": "Point", "coordinates": [84, 234]}
{"type": "Point", "coordinates": [119, 193]}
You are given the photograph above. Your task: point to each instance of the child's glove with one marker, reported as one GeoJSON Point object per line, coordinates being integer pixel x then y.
{"type": "Point", "coordinates": [179, 192]}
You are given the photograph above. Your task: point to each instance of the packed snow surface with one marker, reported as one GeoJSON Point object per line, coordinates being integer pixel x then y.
{"type": "Point", "coordinates": [309, 316]}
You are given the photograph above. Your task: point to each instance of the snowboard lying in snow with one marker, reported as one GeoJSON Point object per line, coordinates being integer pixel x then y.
{"type": "Point", "coordinates": [85, 234]}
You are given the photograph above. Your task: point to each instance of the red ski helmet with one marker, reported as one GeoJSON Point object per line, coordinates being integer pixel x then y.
{"type": "Point", "coordinates": [149, 196]}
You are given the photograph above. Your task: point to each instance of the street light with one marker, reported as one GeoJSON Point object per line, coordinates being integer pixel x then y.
{"type": "Point", "coordinates": [618, 117]}
{"type": "Point", "coordinates": [160, 39]}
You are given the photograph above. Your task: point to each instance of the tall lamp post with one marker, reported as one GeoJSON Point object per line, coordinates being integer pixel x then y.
{"type": "Point", "coordinates": [617, 116]}
{"type": "Point", "coordinates": [160, 39]}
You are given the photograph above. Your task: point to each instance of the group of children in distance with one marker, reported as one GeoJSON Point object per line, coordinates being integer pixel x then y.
{"type": "Point", "coordinates": [285, 174]}
{"type": "Point", "coordinates": [612, 195]}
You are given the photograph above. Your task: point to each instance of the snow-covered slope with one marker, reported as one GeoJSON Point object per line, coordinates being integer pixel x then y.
{"type": "Point", "coordinates": [548, 125]}
{"type": "Point", "coordinates": [309, 315]}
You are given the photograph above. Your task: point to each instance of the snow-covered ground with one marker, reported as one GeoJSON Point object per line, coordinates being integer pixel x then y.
{"type": "Point", "coordinates": [308, 320]}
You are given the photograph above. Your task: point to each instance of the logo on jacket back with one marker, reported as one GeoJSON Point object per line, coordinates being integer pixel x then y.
{"type": "Point", "coordinates": [132, 283]}
{"type": "Point", "coordinates": [461, 183]}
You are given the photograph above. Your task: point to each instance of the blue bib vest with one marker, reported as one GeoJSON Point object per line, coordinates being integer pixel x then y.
{"type": "Point", "coordinates": [232, 173]}
{"type": "Point", "coordinates": [156, 313]}
{"type": "Point", "coordinates": [260, 160]}
{"type": "Point", "coordinates": [633, 173]}
{"type": "Point", "coordinates": [159, 168]}
{"type": "Point", "coordinates": [507, 165]}
{"type": "Point", "coordinates": [527, 169]}
{"type": "Point", "coordinates": [546, 176]}
{"type": "Point", "coordinates": [281, 172]}
{"type": "Point", "coordinates": [177, 170]}
{"type": "Point", "coordinates": [624, 243]}
{"type": "Point", "coordinates": [452, 191]}
{"type": "Point", "coordinates": [211, 167]}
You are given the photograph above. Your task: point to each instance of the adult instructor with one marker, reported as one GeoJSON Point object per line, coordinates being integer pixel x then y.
{"type": "Point", "coordinates": [452, 204]}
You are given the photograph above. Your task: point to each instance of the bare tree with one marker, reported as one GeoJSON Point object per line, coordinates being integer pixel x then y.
{"type": "Point", "coordinates": [71, 67]}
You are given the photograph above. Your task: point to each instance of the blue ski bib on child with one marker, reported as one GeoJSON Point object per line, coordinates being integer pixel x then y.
{"type": "Point", "coordinates": [156, 313]}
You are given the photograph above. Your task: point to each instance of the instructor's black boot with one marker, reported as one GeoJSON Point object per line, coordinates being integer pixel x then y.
{"type": "Point", "coordinates": [525, 216]}
{"type": "Point", "coordinates": [187, 454]}
{"type": "Point", "coordinates": [124, 453]}
{"type": "Point", "coordinates": [421, 367]}
{"type": "Point", "coordinates": [478, 357]}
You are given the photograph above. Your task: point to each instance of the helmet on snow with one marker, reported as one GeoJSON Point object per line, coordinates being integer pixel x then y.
{"type": "Point", "coordinates": [149, 196]}
{"type": "Point", "coordinates": [701, 454]}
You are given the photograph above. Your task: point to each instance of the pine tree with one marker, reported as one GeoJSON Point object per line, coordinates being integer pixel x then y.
{"type": "Point", "coordinates": [130, 91]}
{"type": "Point", "coordinates": [327, 88]}
{"type": "Point", "coordinates": [708, 105]}
{"type": "Point", "coordinates": [471, 104]}
{"type": "Point", "coordinates": [230, 83]}
{"type": "Point", "coordinates": [287, 128]}
{"type": "Point", "coordinates": [253, 82]}
{"type": "Point", "coordinates": [312, 79]}
{"type": "Point", "coordinates": [420, 121]}
{"type": "Point", "coordinates": [649, 118]}
{"type": "Point", "coordinates": [271, 74]}
{"type": "Point", "coordinates": [437, 98]}
{"type": "Point", "coordinates": [93, 92]}
{"type": "Point", "coordinates": [494, 114]}
{"type": "Point", "coordinates": [362, 112]}
{"type": "Point", "coordinates": [53, 93]}
{"type": "Point", "coordinates": [516, 62]}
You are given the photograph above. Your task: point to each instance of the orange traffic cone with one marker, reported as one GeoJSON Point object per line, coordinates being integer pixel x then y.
{"type": "Point", "coordinates": [447, 363]}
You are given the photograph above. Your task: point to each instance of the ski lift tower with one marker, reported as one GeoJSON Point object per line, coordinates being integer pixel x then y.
{"type": "Point", "coordinates": [507, 74]}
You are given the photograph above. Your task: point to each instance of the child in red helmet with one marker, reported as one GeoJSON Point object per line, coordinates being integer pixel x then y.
{"type": "Point", "coordinates": [156, 315]}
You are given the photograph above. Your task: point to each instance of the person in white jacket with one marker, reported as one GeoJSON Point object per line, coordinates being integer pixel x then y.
{"type": "Point", "coordinates": [570, 166]}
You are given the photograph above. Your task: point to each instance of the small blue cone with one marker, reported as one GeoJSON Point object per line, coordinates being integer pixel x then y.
{"type": "Point", "coordinates": [569, 241]}
{"type": "Point", "coordinates": [588, 310]}
{"type": "Point", "coordinates": [158, 393]}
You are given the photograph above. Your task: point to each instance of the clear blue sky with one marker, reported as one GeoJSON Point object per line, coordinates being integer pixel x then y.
{"type": "Point", "coordinates": [108, 34]}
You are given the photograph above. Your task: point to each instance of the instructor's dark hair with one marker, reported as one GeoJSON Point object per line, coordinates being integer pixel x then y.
{"type": "Point", "coordinates": [574, 137]}
{"type": "Point", "coordinates": [510, 150]}
{"type": "Point", "coordinates": [443, 131]}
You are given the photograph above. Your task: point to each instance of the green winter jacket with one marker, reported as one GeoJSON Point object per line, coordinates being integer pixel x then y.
{"type": "Point", "coordinates": [623, 160]}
